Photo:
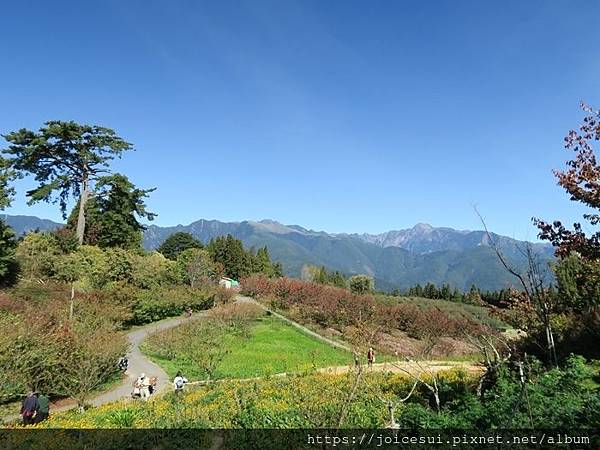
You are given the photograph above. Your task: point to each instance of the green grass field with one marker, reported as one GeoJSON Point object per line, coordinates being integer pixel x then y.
{"type": "Point", "coordinates": [272, 347]}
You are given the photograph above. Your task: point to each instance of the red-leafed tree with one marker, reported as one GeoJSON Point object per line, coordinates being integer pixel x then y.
{"type": "Point", "coordinates": [578, 268]}
{"type": "Point", "coordinates": [581, 180]}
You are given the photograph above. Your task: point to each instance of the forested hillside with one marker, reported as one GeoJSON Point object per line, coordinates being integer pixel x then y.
{"type": "Point", "coordinates": [397, 259]}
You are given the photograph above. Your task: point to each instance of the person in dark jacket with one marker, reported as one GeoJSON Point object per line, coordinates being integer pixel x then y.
{"type": "Point", "coordinates": [43, 410]}
{"type": "Point", "coordinates": [29, 408]}
{"type": "Point", "coordinates": [370, 357]}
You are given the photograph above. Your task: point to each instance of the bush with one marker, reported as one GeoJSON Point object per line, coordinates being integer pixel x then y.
{"type": "Point", "coordinates": [334, 307]}
{"type": "Point", "coordinates": [37, 255]}
{"type": "Point", "coordinates": [237, 316]}
{"type": "Point", "coordinates": [37, 341]}
{"type": "Point", "coordinates": [361, 284]}
{"type": "Point", "coordinates": [153, 270]}
{"type": "Point", "coordinates": [163, 302]}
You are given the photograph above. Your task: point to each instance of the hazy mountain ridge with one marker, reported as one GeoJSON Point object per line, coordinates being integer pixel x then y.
{"type": "Point", "coordinates": [398, 258]}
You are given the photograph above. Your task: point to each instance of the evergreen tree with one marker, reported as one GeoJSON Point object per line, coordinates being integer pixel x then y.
{"type": "Point", "coordinates": [337, 279]}
{"type": "Point", "coordinates": [8, 241]}
{"type": "Point", "coordinates": [418, 291]}
{"type": "Point", "coordinates": [264, 264]}
{"type": "Point", "coordinates": [457, 296]}
{"type": "Point", "coordinates": [112, 214]}
{"type": "Point", "coordinates": [65, 158]}
{"type": "Point", "coordinates": [277, 270]}
{"type": "Point", "coordinates": [8, 264]}
{"type": "Point", "coordinates": [445, 292]}
{"type": "Point", "coordinates": [430, 291]}
{"type": "Point", "coordinates": [474, 297]}
{"type": "Point", "coordinates": [177, 243]}
{"type": "Point", "coordinates": [322, 276]}
{"type": "Point", "coordinates": [120, 204]}
{"type": "Point", "coordinates": [229, 252]}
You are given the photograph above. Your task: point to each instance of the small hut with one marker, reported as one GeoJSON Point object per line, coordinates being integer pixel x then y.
{"type": "Point", "coordinates": [229, 283]}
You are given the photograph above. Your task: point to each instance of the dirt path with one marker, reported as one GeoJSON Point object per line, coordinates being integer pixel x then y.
{"type": "Point", "coordinates": [139, 363]}
{"type": "Point", "coordinates": [404, 367]}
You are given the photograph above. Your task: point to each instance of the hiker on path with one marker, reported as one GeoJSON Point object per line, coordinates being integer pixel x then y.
{"type": "Point", "coordinates": [371, 357]}
{"type": "Point", "coordinates": [143, 384]}
{"type": "Point", "coordinates": [43, 410]}
{"type": "Point", "coordinates": [179, 383]}
{"type": "Point", "coordinates": [29, 408]}
{"type": "Point", "coordinates": [123, 363]}
{"type": "Point", "coordinates": [153, 383]}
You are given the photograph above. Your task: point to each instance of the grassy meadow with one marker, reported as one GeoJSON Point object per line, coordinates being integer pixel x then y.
{"type": "Point", "coordinates": [270, 347]}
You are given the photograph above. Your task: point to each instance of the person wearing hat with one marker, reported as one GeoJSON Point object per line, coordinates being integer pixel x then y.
{"type": "Point", "coordinates": [143, 383]}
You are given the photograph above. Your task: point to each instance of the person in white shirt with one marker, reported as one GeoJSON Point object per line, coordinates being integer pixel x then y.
{"type": "Point", "coordinates": [143, 384]}
{"type": "Point", "coordinates": [179, 382]}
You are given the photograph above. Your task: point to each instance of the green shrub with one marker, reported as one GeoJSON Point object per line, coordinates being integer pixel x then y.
{"type": "Point", "coordinates": [153, 270]}
{"type": "Point", "coordinates": [37, 255]}
{"type": "Point", "coordinates": [159, 303]}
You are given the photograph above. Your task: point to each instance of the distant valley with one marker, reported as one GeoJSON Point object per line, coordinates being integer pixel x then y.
{"type": "Point", "coordinates": [396, 259]}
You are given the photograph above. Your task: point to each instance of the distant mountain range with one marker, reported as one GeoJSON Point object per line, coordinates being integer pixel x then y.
{"type": "Point", "coordinates": [399, 258]}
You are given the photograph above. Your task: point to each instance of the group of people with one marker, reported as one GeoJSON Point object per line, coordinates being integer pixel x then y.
{"type": "Point", "coordinates": [145, 386]}
{"type": "Point", "coordinates": [35, 408]}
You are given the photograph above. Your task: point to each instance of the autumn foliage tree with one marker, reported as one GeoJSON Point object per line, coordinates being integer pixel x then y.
{"type": "Point", "coordinates": [581, 180]}
{"type": "Point", "coordinates": [578, 269]}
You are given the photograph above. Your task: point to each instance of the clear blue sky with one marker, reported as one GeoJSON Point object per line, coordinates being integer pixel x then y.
{"type": "Point", "coordinates": [342, 116]}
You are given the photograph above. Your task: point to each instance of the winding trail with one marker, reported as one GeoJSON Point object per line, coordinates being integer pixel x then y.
{"type": "Point", "coordinates": [140, 363]}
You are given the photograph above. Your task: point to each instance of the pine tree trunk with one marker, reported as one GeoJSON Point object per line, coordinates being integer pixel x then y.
{"type": "Point", "coordinates": [81, 217]}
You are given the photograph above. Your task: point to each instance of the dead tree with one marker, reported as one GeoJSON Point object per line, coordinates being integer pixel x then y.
{"type": "Point", "coordinates": [533, 289]}
{"type": "Point", "coordinates": [494, 358]}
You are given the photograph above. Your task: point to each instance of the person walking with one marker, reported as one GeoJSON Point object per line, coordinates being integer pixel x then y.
{"type": "Point", "coordinates": [123, 363]}
{"type": "Point", "coordinates": [143, 383]}
{"type": "Point", "coordinates": [179, 383]}
{"type": "Point", "coordinates": [152, 387]}
{"type": "Point", "coordinates": [370, 357]}
{"type": "Point", "coordinates": [43, 411]}
{"type": "Point", "coordinates": [29, 408]}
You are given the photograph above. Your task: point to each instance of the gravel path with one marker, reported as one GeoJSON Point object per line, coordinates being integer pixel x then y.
{"type": "Point", "coordinates": [139, 363]}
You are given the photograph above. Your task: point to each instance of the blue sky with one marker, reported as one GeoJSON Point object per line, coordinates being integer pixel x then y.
{"type": "Point", "coordinates": [342, 116]}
